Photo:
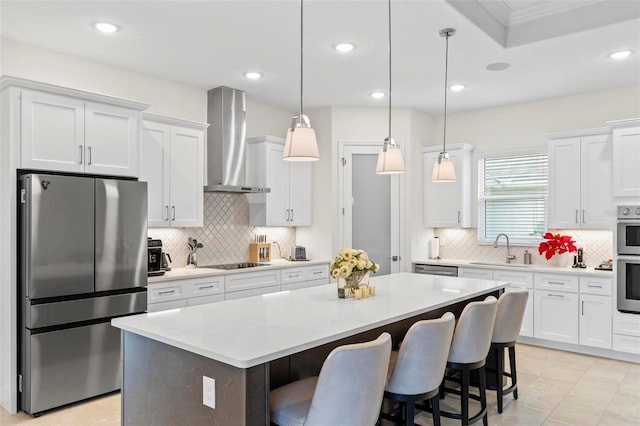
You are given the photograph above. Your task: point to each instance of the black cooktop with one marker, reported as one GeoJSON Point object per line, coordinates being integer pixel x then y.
{"type": "Point", "coordinates": [228, 266]}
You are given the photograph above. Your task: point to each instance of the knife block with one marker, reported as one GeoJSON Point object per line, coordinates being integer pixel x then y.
{"type": "Point", "coordinates": [259, 252]}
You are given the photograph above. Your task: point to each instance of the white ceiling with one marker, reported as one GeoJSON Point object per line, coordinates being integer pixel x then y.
{"type": "Point", "coordinates": [554, 47]}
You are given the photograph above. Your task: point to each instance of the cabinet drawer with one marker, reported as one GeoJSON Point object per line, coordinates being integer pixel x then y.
{"type": "Point", "coordinates": [317, 273]}
{"type": "Point", "coordinates": [163, 306]}
{"type": "Point", "coordinates": [556, 282]}
{"type": "Point", "coordinates": [624, 343]}
{"type": "Point", "coordinates": [596, 285]}
{"type": "Point", "coordinates": [628, 324]}
{"type": "Point", "coordinates": [203, 286]}
{"type": "Point", "coordinates": [483, 274]}
{"type": "Point", "coordinates": [515, 279]}
{"type": "Point", "coordinates": [252, 292]}
{"type": "Point", "coordinates": [292, 275]}
{"type": "Point", "coordinates": [251, 280]}
{"type": "Point", "coordinates": [164, 292]}
{"type": "Point", "coordinates": [205, 299]}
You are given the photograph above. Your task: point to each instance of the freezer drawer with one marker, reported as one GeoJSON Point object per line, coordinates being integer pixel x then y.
{"type": "Point", "coordinates": [65, 366]}
{"type": "Point", "coordinates": [70, 311]}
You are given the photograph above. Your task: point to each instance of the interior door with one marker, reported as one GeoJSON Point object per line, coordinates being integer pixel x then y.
{"type": "Point", "coordinates": [370, 207]}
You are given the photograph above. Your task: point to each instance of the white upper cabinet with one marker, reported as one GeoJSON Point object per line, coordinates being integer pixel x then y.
{"type": "Point", "coordinates": [448, 204]}
{"type": "Point", "coordinates": [580, 179]}
{"type": "Point", "coordinates": [289, 202]}
{"type": "Point", "coordinates": [68, 130]}
{"type": "Point", "coordinates": [626, 158]}
{"type": "Point", "coordinates": [172, 162]}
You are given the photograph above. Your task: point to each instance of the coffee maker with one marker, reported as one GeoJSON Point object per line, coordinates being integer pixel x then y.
{"type": "Point", "coordinates": [154, 257]}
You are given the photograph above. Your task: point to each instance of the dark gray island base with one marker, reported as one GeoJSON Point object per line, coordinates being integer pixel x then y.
{"type": "Point", "coordinates": [162, 384]}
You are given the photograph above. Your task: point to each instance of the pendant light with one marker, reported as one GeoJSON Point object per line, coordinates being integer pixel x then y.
{"type": "Point", "coordinates": [301, 144]}
{"type": "Point", "coordinates": [390, 157]}
{"type": "Point", "coordinates": [443, 170]}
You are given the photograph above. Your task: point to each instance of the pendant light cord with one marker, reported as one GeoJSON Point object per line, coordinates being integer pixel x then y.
{"type": "Point", "coordinates": [301, 53]}
{"type": "Point", "coordinates": [446, 72]}
{"type": "Point", "coordinates": [389, 140]}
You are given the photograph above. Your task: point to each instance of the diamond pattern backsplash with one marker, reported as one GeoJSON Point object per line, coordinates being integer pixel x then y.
{"type": "Point", "coordinates": [463, 244]}
{"type": "Point", "coordinates": [225, 236]}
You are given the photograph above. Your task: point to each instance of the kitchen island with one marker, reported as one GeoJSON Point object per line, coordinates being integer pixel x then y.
{"type": "Point", "coordinates": [249, 346]}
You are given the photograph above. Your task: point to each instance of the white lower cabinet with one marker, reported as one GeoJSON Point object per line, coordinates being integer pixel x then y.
{"type": "Point", "coordinates": [555, 316]}
{"type": "Point", "coordinates": [183, 293]}
{"type": "Point", "coordinates": [306, 276]}
{"type": "Point", "coordinates": [251, 283]}
{"type": "Point", "coordinates": [595, 321]}
{"type": "Point", "coordinates": [626, 332]}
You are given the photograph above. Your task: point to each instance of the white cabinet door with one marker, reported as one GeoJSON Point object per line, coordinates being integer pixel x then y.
{"type": "Point", "coordinates": [154, 169]}
{"type": "Point", "coordinates": [556, 316]}
{"type": "Point", "coordinates": [278, 212]}
{"type": "Point", "coordinates": [626, 157]}
{"type": "Point", "coordinates": [447, 204]}
{"type": "Point", "coordinates": [564, 183]}
{"type": "Point", "coordinates": [172, 164]}
{"type": "Point", "coordinates": [595, 321]}
{"type": "Point", "coordinates": [300, 185]}
{"type": "Point", "coordinates": [111, 140]}
{"type": "Point", "coordinates": [518, 280]}
{"type": "Point", "coordinates": [596, 201]}
{"type": "Point", "coordinates": [186, 177]}
{"type": "Point", "coordinates": [52, 132]}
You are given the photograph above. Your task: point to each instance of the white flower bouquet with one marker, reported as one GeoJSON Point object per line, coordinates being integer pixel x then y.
{"type": "Point", "coordinates": [349, 261]}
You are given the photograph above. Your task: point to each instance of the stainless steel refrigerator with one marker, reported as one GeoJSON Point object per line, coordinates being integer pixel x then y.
{"type": "Point", "coordinates": [83, 261]}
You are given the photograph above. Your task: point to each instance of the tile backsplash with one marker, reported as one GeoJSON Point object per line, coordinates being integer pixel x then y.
{"type": "Point", "coordinates": [463, 244]}
{"type": "Point", "coordinates": [226, 233]}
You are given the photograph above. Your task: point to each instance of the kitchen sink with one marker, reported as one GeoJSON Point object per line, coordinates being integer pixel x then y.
{"type": "Point", "coordinates": [513, 265]}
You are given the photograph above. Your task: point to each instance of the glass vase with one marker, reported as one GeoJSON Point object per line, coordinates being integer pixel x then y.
{"type": "Point", "coordinates": [348, 285]}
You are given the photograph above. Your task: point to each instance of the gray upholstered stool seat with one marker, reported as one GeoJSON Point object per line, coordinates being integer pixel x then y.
{"type": "Point", "coordinates": [348, 390]}
{"type": "Point", "coordinates": [469, 349]}
{"type": "Point", "coordinates": [510, 312]}
{"type": "Point", "coordinates": [417, 369]}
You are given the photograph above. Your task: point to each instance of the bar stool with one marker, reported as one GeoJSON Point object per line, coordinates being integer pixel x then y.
{"type": "Point", "coordinates": [348, 390]}
{"type": "Point", "coordinates": [510, 312]}
{"type": "Point", "coordinates": [469, 349]}
{"type": "Point", "coordinates": [417, 369]}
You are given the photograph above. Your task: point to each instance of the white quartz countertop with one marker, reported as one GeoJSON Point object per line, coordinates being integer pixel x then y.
{"type": "Point", "coordinates": [514, 266]}
{"type": "Point", "coordinates": [251, 331]}
{"type": "Point", "coordinates": [182, 273]}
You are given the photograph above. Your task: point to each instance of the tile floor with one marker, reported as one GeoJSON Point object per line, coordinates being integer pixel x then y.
{"type": "Point", "coordinates": [555, 388]}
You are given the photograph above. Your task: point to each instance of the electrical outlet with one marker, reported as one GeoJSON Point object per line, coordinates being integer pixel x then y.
{"type": "Point", "coordinates": [209, 392]}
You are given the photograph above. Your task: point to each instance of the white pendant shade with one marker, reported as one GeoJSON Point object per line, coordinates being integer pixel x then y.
{"type": "Point", "coordinates": [443, 171]}
{"type": "Point", "coordinates": [301, 145]}
{"type": "Point", "coordinates": [390, 161]}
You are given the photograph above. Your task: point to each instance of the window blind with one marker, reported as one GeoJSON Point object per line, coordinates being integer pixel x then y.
{"type": "Point", "coordinates": [512, 196]}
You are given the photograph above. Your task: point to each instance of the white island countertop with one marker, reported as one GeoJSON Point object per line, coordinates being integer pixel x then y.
{"type": "Point", "coordinates": [251, 331]}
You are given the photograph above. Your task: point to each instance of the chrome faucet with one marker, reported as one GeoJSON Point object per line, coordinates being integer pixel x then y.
{"type": "Point", "coordinates": [510, 256]}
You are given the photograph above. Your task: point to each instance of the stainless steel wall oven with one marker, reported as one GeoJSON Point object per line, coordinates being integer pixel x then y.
{"type": "Point", "coordinates": [628, 258]}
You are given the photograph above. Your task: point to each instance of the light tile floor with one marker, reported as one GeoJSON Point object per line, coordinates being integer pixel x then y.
{"type": "Point", "coordinates": [555, 388]}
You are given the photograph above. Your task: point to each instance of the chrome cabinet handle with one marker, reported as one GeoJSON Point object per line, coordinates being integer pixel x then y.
{"type": "Point", "coordinates": [556, 283]}
{"type": "Point", "coordinates": [576, 216]}
{"type": "Point", "coordinates": [317, 273]}
{"type": "Point", "coordinates": [583, 216]}
{"type": "Point", "coordinates": [288, 215]}
{"type": "Point", "coordinates": [204, 287]}
{"type": "Point", "coordinates": [458, 216]}
{"type": "Point", "coordinates": [174, 212]}
{"type": "Point", "coordinates": [583, 307]}
{"type": "Point", "coordinates": [594, 286]}
{"type": "Point", "coordinates": [166, 292]}
{"type": "Point", "coordinates": [166, 210]}
{"type": "Point", "coordinates": [81, 151]}
{"type": "Point", "coordinates": [291, 215]}
{"type": "Point", "coordinates": [555, 295]}
{"type": "Point", "coordinates": [89, 159]}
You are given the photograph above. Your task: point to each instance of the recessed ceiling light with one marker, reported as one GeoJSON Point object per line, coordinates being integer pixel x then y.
{"type": "Point", "coordinates": [621, 54]}
{"type": "Point", "coordinates": [378, 95]}
{"type": "Point", "coordinates": [252, 75]}
{"type": "Point", "coordinates": [345, 47]}
{"type": "Point", "coordinates": [498, 66]}
{"type": "Point", "coordinates": [457, 87]}
{"type": "Point", "coordinates": [106, 27]}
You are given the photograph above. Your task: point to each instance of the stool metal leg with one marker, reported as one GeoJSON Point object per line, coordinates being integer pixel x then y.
{"type": "Point", "coordinates": [483, 395]}
{"type": "Point", "coordinates": [435, 407]}
{"type": "Point", "coordinates": [464, 397]}
{"type": "Point", "coordinates": [512, 366]}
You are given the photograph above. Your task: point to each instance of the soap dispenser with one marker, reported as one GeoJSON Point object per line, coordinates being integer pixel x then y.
{"type": "Point", "coordinates": [527, 257]}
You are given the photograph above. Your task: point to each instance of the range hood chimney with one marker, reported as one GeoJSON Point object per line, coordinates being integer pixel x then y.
{"type": "Point", "coordinates": [226, 114]}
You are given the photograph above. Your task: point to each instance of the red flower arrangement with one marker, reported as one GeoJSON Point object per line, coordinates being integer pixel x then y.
{"type": "Point", "coordinates": [556, 244]}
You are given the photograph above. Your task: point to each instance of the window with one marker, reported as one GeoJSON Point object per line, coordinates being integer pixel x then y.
{"type": "Point", "coordinates": [512, 196]}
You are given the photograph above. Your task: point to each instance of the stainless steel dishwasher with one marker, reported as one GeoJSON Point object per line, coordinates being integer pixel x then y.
{"type": "Point", "coordinates": [430, 269]}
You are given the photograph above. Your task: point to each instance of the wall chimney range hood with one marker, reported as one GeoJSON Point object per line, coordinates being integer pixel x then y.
{"type": "Point", "coordinates": [226, 114]}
